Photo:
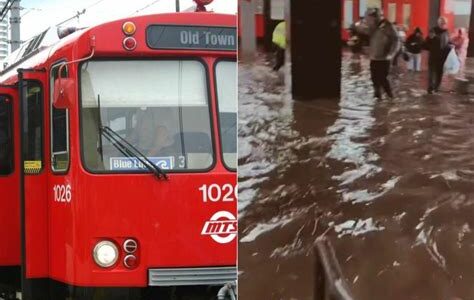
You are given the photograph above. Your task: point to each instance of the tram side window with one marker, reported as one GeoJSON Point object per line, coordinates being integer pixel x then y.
{"type": "Point", "coordinates": [6, 136]}
{"type": "Point", "coordinates": [32, 127]}
{"type": "Point", "coordinates": [226, 84]}
{"type": "Point", "coordinates": [59, 128]}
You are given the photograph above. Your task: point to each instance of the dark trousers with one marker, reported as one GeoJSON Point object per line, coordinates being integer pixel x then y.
{"type": "Point", "coordinates": [279, 58]}
{"type": "Point", "coordinates": [379, 72]}
{"type": "Point", "coordinates": [435, 75]}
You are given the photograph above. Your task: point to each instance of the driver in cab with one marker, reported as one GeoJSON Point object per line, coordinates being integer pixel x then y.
{"type": "Point", "coordinates": [153, 138]}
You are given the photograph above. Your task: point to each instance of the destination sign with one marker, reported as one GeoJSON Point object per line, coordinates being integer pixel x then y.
{"type": "Point", "coordinates": [191, 37]}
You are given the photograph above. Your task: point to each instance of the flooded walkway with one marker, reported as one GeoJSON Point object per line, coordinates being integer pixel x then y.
{"type": "Point", "coordinates": [391, 183]}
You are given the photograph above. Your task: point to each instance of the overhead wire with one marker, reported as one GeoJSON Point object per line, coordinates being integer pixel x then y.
{"type": "Point", "coordinates": [5, 9]}
{"type": "Point", "coordinates": [94, 4]}
{"type": "Point", "coordinates": [80, 12]}
{"type": "Point", "coordinates": [145, 7]}
{"type": "Point", "coordinates": [28, 10]}
{"type": "Point", "coordinates": [84, 11]}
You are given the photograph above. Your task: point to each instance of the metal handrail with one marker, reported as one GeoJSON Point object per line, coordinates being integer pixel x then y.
{"type": "Point", "coordinates": [330, 283]}
{"type": "Point", "coordinates": [228, 291]}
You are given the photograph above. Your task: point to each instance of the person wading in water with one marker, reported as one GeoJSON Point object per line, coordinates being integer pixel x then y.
{"type": "Point", "coordinates": [384, 44]}
{"type": "Point", "coordinates": [438, 45]}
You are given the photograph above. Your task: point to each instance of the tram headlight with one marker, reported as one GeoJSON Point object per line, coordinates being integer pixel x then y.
{"type": "Point", "coordinates": [105, 254]}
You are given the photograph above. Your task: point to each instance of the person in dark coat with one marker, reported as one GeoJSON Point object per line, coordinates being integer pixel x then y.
{"type": "Point", "coordinates": [414, 45]}
{"type": "Point", "coordinates": [438, 44]}
{"type": "Point", "coordinates": [384, 44]}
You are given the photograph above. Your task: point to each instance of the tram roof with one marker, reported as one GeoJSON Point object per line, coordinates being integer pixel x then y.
{"type": "Point", "coordinates": [37, 50]}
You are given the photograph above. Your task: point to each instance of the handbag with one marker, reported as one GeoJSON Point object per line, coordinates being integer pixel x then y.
{"type": "Point", "coordinates": [452, 63]}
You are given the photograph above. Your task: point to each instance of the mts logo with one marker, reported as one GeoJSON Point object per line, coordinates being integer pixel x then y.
{"type": "Point", "coordinates": [219, 227]}
{"type": "Point", "coordinates": [222, 227]}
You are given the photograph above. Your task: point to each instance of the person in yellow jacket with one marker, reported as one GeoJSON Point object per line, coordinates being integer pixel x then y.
{"type": "Point", "coordinates": [279, 39]}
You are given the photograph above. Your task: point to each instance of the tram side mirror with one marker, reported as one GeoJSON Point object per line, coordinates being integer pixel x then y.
{"type": "Point", "coordinates": [63, 93]}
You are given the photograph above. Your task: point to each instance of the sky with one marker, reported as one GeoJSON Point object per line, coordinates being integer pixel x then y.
{"type": "Point", "coordinates": [38, 15]}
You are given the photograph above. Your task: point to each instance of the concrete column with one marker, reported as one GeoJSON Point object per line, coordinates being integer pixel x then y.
{"type": "Point", "coordinates": [248, 39]}
{"type": "Point", "coordinates": [15, 25]}
{"type": "Point", "coordinates": [267, 40]}
{"type": "Point", "coordinates": [470, 49]}
{"type": "Point", "coordinates": [314, 48]}
{"type": "Point", "coordinates": [435, 12]}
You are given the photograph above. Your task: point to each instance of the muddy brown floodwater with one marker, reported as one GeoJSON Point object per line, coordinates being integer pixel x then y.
{"type": "Point", "coordinates": [390, 183]}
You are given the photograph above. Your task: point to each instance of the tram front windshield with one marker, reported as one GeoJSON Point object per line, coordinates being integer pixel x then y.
{"type": "Point", "coordinates": [161, 107]}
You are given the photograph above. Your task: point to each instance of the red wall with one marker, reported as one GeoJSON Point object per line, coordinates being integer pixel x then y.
{"type": "Point", "coordinates": [447, 11]}
{"type": "Point", "coordinates": [419, 13]}
{"type": "Point", "coordinates": [355, 11]}
{"type": "Point", "coordinates": [420, 16]}
{"type": "Point", "coordinates": [355, 18]}
{"type": "Point", "coordinates": [259, 25]}
{"type": "Point", "coordinates": [420, 10]}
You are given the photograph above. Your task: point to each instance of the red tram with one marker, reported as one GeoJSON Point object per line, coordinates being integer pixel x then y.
{"type": "Point", "coordinates": [126, 183]}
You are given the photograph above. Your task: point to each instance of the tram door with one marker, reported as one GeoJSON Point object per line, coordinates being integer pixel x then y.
{"type": "Point", "coordinates": [10, 253]}
{"type": "Point", "coordinates": [33, 184]}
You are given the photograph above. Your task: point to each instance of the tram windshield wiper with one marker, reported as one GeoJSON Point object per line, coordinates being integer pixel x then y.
{"type": "Point", "coordinates": [124, 146]}
{"type": "Point", "coordinates": [129, 150]}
